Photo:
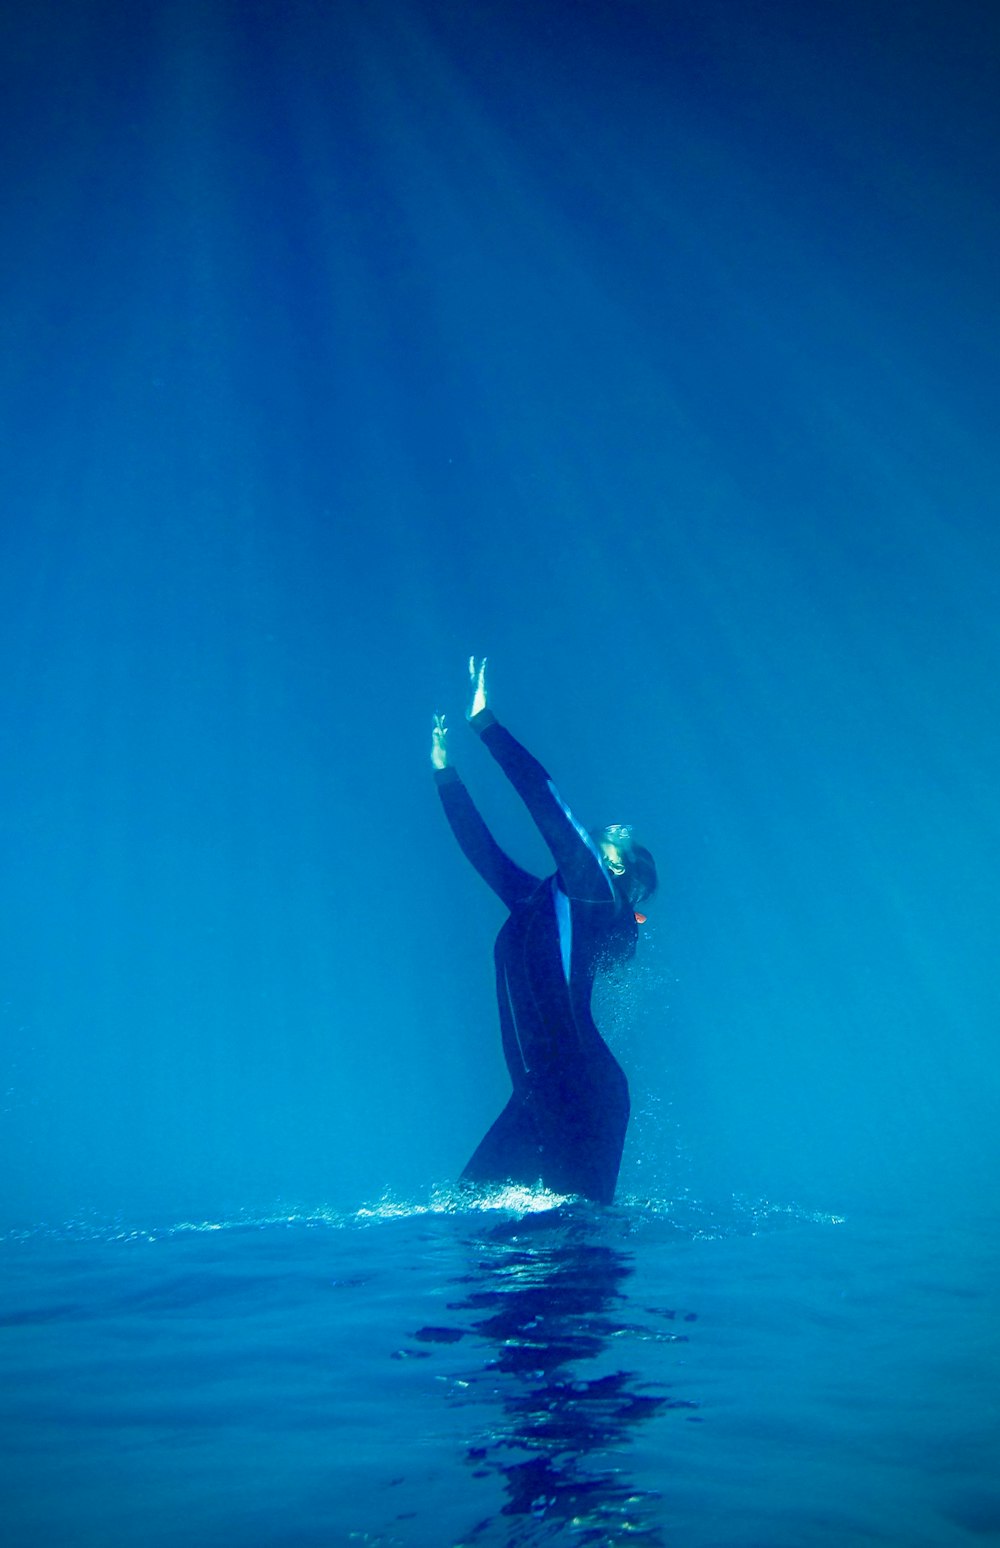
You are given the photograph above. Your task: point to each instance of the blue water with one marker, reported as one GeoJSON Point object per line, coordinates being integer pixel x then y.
{"type": "Point", "coordinates": [421, 1376]}
{"type": "Point", "coordinates": [648, 347]}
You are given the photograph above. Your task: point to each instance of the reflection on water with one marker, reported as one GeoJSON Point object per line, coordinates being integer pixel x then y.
{"type": "Point", "coordinates": [545, 1300]}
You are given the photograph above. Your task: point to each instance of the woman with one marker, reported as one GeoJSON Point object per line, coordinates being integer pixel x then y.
{"type": "Point", "coordinates": [565, 1123]}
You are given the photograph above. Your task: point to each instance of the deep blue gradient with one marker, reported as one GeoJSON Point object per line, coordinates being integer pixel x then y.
{"type": "Point", "coordinates": [650, 349]}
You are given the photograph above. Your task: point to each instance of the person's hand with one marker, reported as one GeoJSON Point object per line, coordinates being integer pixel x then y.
{"type": "Point", "coordinates": [477, 687]}
{"type": "Point", "coordinates": [439, 743]}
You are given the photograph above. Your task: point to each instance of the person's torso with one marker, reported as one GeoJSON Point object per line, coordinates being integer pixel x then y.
{"type": "Point", "coordinates": [547, 956]}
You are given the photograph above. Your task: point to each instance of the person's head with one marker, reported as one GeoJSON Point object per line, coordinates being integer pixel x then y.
{"type": "Point", "coordinates": [631, 864]}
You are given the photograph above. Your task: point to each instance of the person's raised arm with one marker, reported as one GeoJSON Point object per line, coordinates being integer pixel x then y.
{"type": "Point", "coordinates": [581, 869]}
{"type": "Point", "coordinates": [475, 840]}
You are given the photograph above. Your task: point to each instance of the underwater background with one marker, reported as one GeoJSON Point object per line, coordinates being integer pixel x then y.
{"type": "Point", "coordinates": [651, 350]}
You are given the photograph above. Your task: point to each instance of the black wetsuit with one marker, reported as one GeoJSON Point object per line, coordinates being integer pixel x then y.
{"type": "Point", "coordinates": [565, 1122]}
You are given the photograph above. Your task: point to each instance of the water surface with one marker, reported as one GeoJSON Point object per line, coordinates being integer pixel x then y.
{"type": "Point", "coordinates": [441, 1375]}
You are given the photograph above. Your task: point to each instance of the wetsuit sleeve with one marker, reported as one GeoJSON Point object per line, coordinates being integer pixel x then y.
{"type": "Point", "coordinates": [477, 843]}
{"type": "Point", "coordinates": [576, 855]}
